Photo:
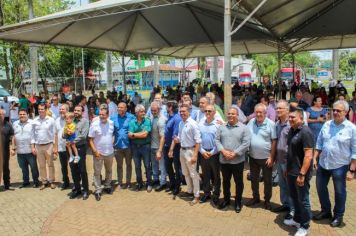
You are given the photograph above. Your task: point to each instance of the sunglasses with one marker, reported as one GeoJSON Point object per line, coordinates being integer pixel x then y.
{"type": "Point", "coordinates": [208, 111]}
{"type": "Point", "coordinates": [337, 110]}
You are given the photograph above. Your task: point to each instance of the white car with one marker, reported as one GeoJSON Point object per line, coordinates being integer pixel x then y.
{"type": "Point", "coordinates": [5, 93]}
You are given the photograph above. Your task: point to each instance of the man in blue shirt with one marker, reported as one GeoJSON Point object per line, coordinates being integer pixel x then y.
{"type": "Point", "coordinates": [171, 131]}
{"type": "Point", "coordinates": [210, 155]}
{"type": "Point", "coordinates": [122, 144]}
{"type": "Point", "coordinates": [336, 149]}
{"type": "Point", "coordinates": [262, 154]}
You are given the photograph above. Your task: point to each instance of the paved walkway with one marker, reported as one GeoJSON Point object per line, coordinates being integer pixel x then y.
{"type": "Point", "coordinates": [50, 212]}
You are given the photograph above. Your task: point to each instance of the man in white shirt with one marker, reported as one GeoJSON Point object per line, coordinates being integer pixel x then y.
{"type": "Point", "coordinates": [55, 107]}
{"type": "Point", "coordinates": [200, 114]}
{"type": "Point", "coordinates": [101, 135]}
{"type": "Point", "coordinates": [190, 139]}
{"type": "Point", "coordinates": [60, 148]}
{"type": "Point", "coordinates": [43, 133]}
{"type": "Point", "coordinates": [21, 143]}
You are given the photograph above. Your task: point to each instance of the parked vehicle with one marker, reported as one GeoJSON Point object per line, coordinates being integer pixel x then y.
{"type": "Point", "coordinates": [5, 93]}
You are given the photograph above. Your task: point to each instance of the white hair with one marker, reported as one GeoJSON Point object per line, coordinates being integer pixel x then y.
{"type": "Point", "coordinates": [139, 107]}
{"type": "Point", "coordinates": [156, 104]}
{"type": "Point", "coordinates": [343, 103]}
{"type": "Point", "coordinates": [261, 105]}
{"type": "Point", "coordinates": [285, 103]}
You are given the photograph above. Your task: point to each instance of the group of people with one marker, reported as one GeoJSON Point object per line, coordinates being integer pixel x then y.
{"type": "Point", "coordinates": [195, 145]}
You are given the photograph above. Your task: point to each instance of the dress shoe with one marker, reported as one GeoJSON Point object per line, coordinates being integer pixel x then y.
{"type": "Point", "coordinates": [64, 186]}
{"type": "Point", "coordinates": [6, 187]}
{"type": "Point", "coordinates": [224, 204]}
{"type": "Point", "coordinates": [194, 201]}
{"type": "Point", "coordinates": [253, 201]}
{"type": "Point", "coordinates": [322, 215]}
{"type": "Point", "coordinates": [160, 188]}
{"type": "Point", "coordinates": [186, 195]}
{"type": "Point", "coordinates": [268, 205]}
{"type": "Point", "coordinates": [24, 185]}
{"type": "Point", "coordinates": [43, 186]}
{"type": "Point", "coordinates": [98, 196]}
{"type": "Point", "coordinates": [215, 200]}
{"type": "Point", "coordinates": [170, 189]}
{"type": "Point", "coordinates": [336, 222]}
{"type": "Point", "coordinates": [74, 194]}
{"type": "Point", "coordinates": [85, 195]}
{"type": "Point", "coordinates": [108, 190]}
{"type": "Point", "coordinates": [289, 216]}
{"type": "Point", "coordinates": [53, 186]}
{"type": "Point", "coordinates": [138, 187]}
{"type": "Point", "coordinates": [204, 198]}
{"type": "Point", "coordinates": [238, 207]}
{"type": "Point", "coordinates": [281, 209]}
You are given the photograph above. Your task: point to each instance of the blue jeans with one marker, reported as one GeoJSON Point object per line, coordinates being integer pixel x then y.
{"type": "Point", "coordinates": [339, 179]}
{"type": "Point", "coordinates": [26, 160]}
{"type": "Point", "coordinates": [285, 197]}
{"type": "Point", "coordinates": [158, 166]}
{"type": "Point", "coordinates": [142, 153]}
{"type": "Point", "coordinates": [300, 196]}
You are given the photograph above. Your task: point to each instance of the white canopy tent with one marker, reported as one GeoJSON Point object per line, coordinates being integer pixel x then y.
{"type": "Point", "coordinates": [191, 28]}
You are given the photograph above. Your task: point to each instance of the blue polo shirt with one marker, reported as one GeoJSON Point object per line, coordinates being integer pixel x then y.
{"type": "Point", "coordinates": [172, 128]}
{"type": "Point", "coordinates": [261, 138]}
{"type": "Point", "coordinates": [121, 128]}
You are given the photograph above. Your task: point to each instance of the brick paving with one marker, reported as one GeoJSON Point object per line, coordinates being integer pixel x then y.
{"type": "Point", "coordinates": [50, 212]}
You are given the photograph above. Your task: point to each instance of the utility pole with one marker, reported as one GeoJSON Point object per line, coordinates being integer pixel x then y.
{"type": "Point", "coordinates": [155, 71]}
{"type": "Point", "coordinates": [83, 69]}
{"type": "Point", "coordinates": [123, 73]}
{"type": "Point", "coordinates": [109, 70]}
{"type": "Point", "coordinates": [215, 69]}
{"type": "Point", "coordinates": [33, 55]}
{"type": "Point", "coordinates": [335, 64]}
{"type": "Point", "coordinates": [227, 56]}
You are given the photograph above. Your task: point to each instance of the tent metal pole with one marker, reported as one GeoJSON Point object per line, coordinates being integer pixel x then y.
{"type": "Point", "coordinates": [227, 56]}
{"type": "Point", "coordinates": [279, 79]}
{"type": "Point", "coordinates": [109, 70]}
{"type": "Point", "coordinates": [156, 72]}
{"type": "Point", "coordinates": [123, 73]}
{"type": "Point", "coordinates": [33, 56]}
{"type": "Point", "coordinates": [83, 70]}
{"type": "Point", "coordinates": [293, 67]}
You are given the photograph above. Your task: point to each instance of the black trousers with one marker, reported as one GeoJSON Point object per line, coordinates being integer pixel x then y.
{"type": "Point", "coordinates": [235, 170]}
{"type": "Point", "coordinates": [175, 175]}
{"type": "Point", "coordinates": [211, 173]}
{"type": "Point", "coordinates": [79, 170]}
{"type": "Point", "coordinates": [5, 167]}
{"type": "Point", "coordinates": [255, 168]}
{"type": "Point", "coordinates": [63, 158]}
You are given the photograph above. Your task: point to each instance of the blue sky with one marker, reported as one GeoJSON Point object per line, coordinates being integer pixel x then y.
{"type": "Point", "coordinates": [77, 4]}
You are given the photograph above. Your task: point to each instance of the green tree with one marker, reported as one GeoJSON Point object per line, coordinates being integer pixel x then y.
{"type": "Point", "coordinates": [346, 70]}
{"type": "Point", "coordinates": [53, 61]}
